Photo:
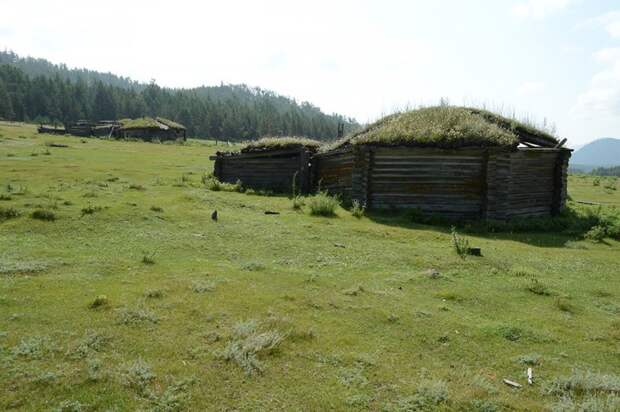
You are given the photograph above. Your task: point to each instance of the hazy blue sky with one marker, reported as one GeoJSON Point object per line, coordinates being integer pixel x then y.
{"type": "Point", "coordinates": [555, 59]}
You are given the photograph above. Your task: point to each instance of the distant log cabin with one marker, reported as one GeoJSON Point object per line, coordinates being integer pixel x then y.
{"type": "Point", "coordinates": [152, 129]}
{"type": "Point", "coordinates": [454, 162]}
{"type": "Point", "coordinates": [51, 129]}
{"type": "Point", "coordinates": [274, 164]}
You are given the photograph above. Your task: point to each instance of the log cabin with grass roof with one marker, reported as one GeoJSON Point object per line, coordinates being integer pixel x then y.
{"type": "Point", "coordinates": [454, 162]}
{"type": "Point", "coordinates": [274, 164]}
{"type": "Point", "coordinates": [151, 129]}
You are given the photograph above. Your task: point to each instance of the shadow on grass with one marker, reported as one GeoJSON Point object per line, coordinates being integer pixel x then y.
{"type": "Point", "coordinates": [572, 224]}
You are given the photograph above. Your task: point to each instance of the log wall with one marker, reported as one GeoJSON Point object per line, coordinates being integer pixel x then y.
{"type": "Point", "coordinates": [460, 184]}
{"type": "Point", "coordinates": [333, 172]}
{"type": "Point", "coordinates": [270, 170]}
{"type": "Point", "coordinates": [442, 182]}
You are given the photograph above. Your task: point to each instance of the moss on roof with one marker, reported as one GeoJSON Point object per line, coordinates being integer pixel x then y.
{"type": "Point", "coordinates": [150, 123]}
{"type": "Point", "coordinates": [170, 123]}
{"type": "Point", "coordinates": [141, 123]}
{"type": "Point", "coordinates": [445, 127]}
{"type": "Point", "coordinates": [277, 143]}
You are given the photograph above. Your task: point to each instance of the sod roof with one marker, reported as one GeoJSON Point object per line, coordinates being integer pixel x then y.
{"type": "Point", "coordinates": [170, 123]}
{"type": "Point", "coordinates": [446, 127]}
{"type": "Point", "coordinates": [279, 143]}
{"type": "Point", "coordinates": [150, 123]}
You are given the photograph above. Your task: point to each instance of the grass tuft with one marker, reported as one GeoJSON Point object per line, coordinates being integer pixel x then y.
{"type": "Point", "coordinates": [100, 302]}
{"type": "Point", "coordinates": [248, 344]}
{"type": "Point", "coordinates": [322, 204]}
{"type": "Point", "coordinates": [43, 214]}
{"type": "Point", "coordinates": [8, 213]}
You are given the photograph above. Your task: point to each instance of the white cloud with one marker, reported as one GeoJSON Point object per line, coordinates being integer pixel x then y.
{"type": "Point", "coordinates": [530, 88]}
{"type": "Point", "coordinates": [540, 8]}
{"type": "Point", "coordinates": [603, 94]}
{"type": "Point", "coordinates": [609, 21]}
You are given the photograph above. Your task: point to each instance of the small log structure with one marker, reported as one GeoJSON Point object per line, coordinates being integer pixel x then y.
{"type": "Point", "coordinates": [273, 170]}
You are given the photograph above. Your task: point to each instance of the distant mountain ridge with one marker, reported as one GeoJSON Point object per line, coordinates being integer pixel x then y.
{"type": "Point", "coordinates": [603, 152]}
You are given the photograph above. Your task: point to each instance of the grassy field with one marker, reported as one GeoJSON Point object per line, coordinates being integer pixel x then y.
{"type": "Point", "coordinates": [133, 298]}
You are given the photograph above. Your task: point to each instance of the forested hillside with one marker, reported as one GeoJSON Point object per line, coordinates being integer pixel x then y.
{"type": "Point", "coordinates": [37, 90]}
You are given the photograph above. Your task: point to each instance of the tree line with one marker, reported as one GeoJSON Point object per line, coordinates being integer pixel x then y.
{"type": "Point", "coordinates": [606, 171]}
{"type": "Point", "coordinates": [36, 90]}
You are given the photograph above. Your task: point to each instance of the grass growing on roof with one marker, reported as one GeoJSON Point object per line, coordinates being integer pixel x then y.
{"type": "Point", "coordinates": [171, 124]}
{"type": "Point", "coordinates": [150, 123]}
{"type": "Point", "coordinates": [276, 143]}
{"type": "Point", "coordinates": [443, 127]}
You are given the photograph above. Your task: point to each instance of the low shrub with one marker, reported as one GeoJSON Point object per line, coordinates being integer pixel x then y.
{"type": "Point", "coordinates": [211, 183]}
{"type": "Point", "coordinates": [148, 258]}
{"type": "Point", "coordinates": [137, 375]}
{"type": "Point", "coordinates": [138, 187]}
{"type": "Point", "coordinates": [100, 301]}
{"type": "Point", "coordinates": [35, 347]}
{"type": "Point", "coordinates": [157, 209]}
{"type": "Point", "coordinates": [581, 382]}
{"type": "Point", "coordinates": [136, 316]}
{"type": "Point", "coordinates": [203, 287]}
{"type": "Point", "coordinates": [565, 305]}
{"type": "Point", "coordinates": [298, 202]}
{"type": "Point", "coordinates": [461, 245]}
{"type": "Point", "coordinates": [43, 214]}
{"type": "Point", "coordinates": [538, 288]}
{"type": "Point", "coordinates": [322, 204]}
{"type": "Point", "coordinates": [357, 209]}
{"type": "Point", "coordinates": [8, 213]}
{"type": "Point", "coordinates": [248, 344]}
{"type": "Point", "coordinates": [154, 294]}
{"type": "Point", "coordinates": [89, 210]}
{"type": "Point", "coordinates": [4, 197]}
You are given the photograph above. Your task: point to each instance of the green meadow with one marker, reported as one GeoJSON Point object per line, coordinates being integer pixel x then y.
{"type": "Point", "coordinates": [118, 291]}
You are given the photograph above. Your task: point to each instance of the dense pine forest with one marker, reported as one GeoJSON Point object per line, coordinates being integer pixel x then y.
{"type": "Point", "coordinates": [39, 91]}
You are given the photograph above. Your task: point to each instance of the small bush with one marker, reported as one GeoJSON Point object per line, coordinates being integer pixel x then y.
{"type": "Point", "coordinates": [137, 375]}
{"type": "Point", "coordinates": [100, 301]}
{"type": "Point", "coordinates": [42, 214]}
{"type": "Point", "coordinates": [92, 342]}
{"type": "Point", "coordinates": [138, 187]}
{"type": "Point", "coordinates": [322, 204]}
{"type": "Point", "coordinates": [357, 209]}
{"type": "Point", "coordinates": [157, 209]}
{"type": "Point", "coordinates": [583, 383]}
{"type": "Point", "coordinates": [8, 213]}
{"type": "Point", "coordinates": [148, 258]}
{"type": "Point", "coordinates": [596, 181]}
{"type": "Point", "coordinates": [461, 245]}
{"type": "Point", "coordinates": [136, 316]}
{"type": "Point", "coordinates": [248, 344]}
{"type": "Point", "coordinates": [531, 359]}
{"type": "Point", "coordinates": [298, 202]}
{"type": "Point", "coordinates": [596, 234]}
{"type": "Point", "coordinates": [203, 287]}
{"type": "Point", "coordinates": [89, 210]}
{"type": "Point", "coordinates": [174, 398]}
{"type": "Point", "coordinates": [154, 294]}
{"type": "Point", "coordinates": [429, 395]}
{"type": "Point", "coordinates": [35, 347]}
{"type": "Point", "coordinates": [565, 305]}
{"type": "Point", "coordinates": [214, 185]}
{"type": "Point", "coordinates": [70, 406]}
{"type": "Point", "coordinates": [538, 288]}
{"type": "Point", "coordinates": [5, 197]}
